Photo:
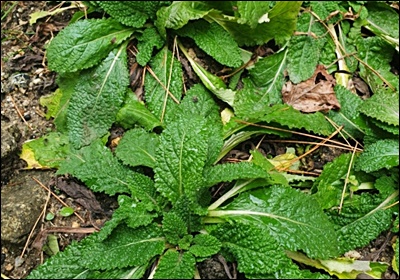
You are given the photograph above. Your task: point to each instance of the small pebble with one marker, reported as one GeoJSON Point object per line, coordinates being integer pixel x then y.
{"type": "Point", "coordinates": [8, 267]}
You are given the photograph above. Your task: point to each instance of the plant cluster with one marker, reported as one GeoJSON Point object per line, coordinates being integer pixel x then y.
{"type": "Point", "coordinates": [167, 220]}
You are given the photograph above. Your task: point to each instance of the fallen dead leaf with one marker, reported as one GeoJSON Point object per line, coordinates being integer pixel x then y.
{"type": "Point", "coordinates": [315, 94]}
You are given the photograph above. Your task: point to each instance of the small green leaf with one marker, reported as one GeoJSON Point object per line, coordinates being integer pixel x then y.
{"type": "Point", "coordinates": [228, 172]}
{"type": "Point", "coordinates": [174, 227]}
{"type": "Point", "coordinates": [134, 112]}
{"type": "Point", "coordinates": [85, 43]}
{"type": "Point", "coordinates": [49, 150]}
{"type": "Point", "coordinates": [139, 246]}
{"type": "Point", "coordinates": [138, 147]}
{"type": "Point", "coordinates": [66, 211]}
{"type": "Point", "coordinates": [146, 42]}
{"type": "Point", "coordinates": [381, 154]}
{"type": "Point", "coordinates": [49, 216]}
{"type": "Point", "coordinates": [265, 87]}
{"type": "Point", "coordinates": [205, 245]}
{"type": "Point", "coordinates": [102, 172]}
{"type": "Point", "coordinates": [176, 265]}
{"type": "Point", "coordinates": [212, 82]}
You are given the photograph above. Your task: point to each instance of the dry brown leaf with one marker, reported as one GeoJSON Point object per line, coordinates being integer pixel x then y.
{"type": "Point", "coordinates": [315, 94]}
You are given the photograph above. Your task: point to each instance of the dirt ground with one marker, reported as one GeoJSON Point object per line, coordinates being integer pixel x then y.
{"type": "Point", "coordinates": [24, 79]}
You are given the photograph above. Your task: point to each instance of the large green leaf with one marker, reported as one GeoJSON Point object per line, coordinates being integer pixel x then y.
{"type": "Point", "coordinates": [377, 54]}
{"type": "Point", "coordinates": [65, 264]}
{"type": "Point", "coordinates": [292, 118]}
{"type": "Point", "coordinates": [329, 185]}
{"type": "Point", "coordinates": [383, 106]}
{"type": "Point", "coordinates": [295, 219]}
{"type": "Point", "coordinates": [279, 24]}
{"type": "Point", "coordinates": [349, 113]}
{"type": "Point", "coordinates": [199, 101]}
{"type": "Point", "coordinates": [367, 227]}
{"type": "Point", "coordinates": [98, 96]}
{"type": "Point", "coordinates": [209, 37]}
{"type": "Point", "coordinates": [303, 56]}
{"type": "Point", "coordinates": [138, 147]}
{"type": "Point", "coordinates": [180, 158]}
{"type": "Point", "coordinates": [85, 43]}
{"type": "Point", "coordinates": [157, 99]}
{"type": "Point", "coordinates": [383, 19]}
{"type": "Point", "coordinates": [268, 79]}
{"type": "Point", "coordinates": [178, 14]}
{"type": "Point", "coordinates": [253, 12]}
{"type": "Point", "coordinates": [381, 154]}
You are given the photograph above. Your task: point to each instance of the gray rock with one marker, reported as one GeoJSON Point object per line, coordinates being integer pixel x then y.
{"type": "Point", "coordinates": [10, 136]}
{"type": "Point", "coordinates": [22, 201]}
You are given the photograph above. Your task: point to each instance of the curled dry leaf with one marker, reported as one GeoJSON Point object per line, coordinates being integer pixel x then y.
{"type": "Point", "coordinates": [315, 94]}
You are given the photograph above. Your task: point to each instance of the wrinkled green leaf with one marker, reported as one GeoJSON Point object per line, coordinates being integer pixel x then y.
{"type": "Point", "coordinates": [303, 56]}
{"type": "Point", "coordinates": [267, 80]}
{"type": "Point", "coordinates": [205, 245]}
{"type": "Point", "coordinates": [147, 41]}
{"type": "Point", "coordinates": [98, 96]}
{"type": "Point", "coordinates": [85, 43]}
{"type": "Point", "coordinates": [180, 159]}
{"type": "Point", "coordinates": [138, 147]}
{"type": "Point", "coordinates": [383, 106]}
{"type": "Point", "coordinates": [158, 100]}
{"type": "Point", "coordinates": [228, 172]}
{"type": "Point", "coordinates": [253, 12]}
{"type": "Point", "coordinates": [132, 13]}
{"type": "Point", "coordinates": [175, 265]}
{"type": "Point", "coordinates": [210, 37]}
{"type": "Point", "coordinates": [255, 250]}
{"type": "Point", "coordinates": [381, 154]}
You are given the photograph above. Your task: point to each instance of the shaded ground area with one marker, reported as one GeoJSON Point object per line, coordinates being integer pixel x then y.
{"type": "Point", "coordinates": [24, 79]}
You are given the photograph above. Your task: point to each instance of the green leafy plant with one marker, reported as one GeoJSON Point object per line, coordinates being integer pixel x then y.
{"type": "Point", "coordinates": [168, 222]}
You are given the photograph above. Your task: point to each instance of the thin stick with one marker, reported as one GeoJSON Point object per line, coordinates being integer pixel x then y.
{"type": "Point", "coordinates": [346, 181]}
{"type": "Point", "coordinates": [293, 132]}
{"type": "Point", "coordinates": [34, 226]}
{"type": "Point", "coordinates": [19, 113]}
{"type": "Point", "coordinates": [169, 81]}
{"type": "Point", "coordinates": [348, 134]}
{"type": "Point", "coordinates": [258, 145]}
{"type": "Point", "coordinates": [158, 80]}
{"type": "Point", "coordinates": [59, 199]}
{"type": "Point", "coordinates": [309, 151]}
{"type": "Point", "coordinates": [312, 143]}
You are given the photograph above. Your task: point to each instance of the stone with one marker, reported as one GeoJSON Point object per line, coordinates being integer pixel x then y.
{"type": "Point", "coordinates": [22, 201]}
{"type": "Point", "coordinates": [10, 136]}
